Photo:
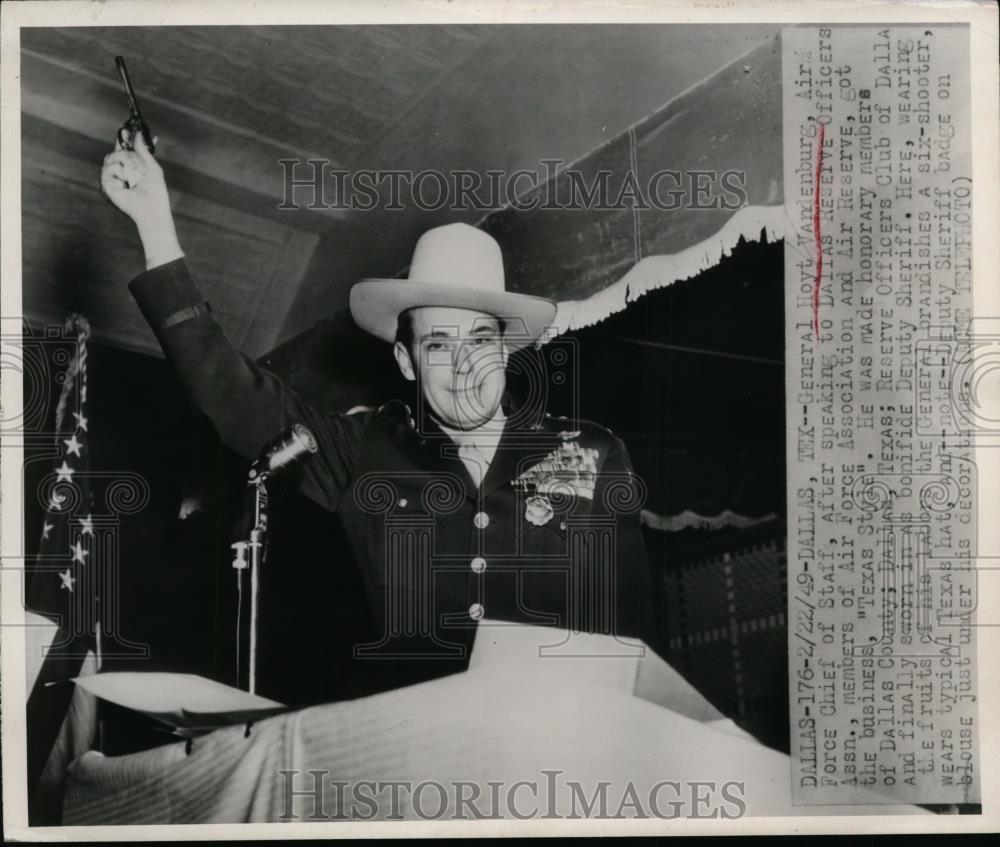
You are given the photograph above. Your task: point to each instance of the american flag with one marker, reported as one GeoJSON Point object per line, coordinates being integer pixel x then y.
{"type": "Point", "coordinates": [61, 597]}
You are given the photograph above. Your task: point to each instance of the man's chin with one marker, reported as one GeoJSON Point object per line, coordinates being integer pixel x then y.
{"type": "Point", "coordinates": [462, 419]}
{"type": "Point", "coordinates": [468, 423]}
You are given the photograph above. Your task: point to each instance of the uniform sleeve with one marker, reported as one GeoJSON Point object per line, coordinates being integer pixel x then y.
{"type": "Point", "coordinates": [248, 405]}
{"type": "Point", "coordinates": [619, 492]}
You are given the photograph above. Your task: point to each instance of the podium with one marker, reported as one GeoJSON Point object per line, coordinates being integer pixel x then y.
{"type": "Point", "coordinates": [537, 725]}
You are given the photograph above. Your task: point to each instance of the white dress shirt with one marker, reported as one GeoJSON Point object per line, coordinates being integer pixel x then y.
{"type": "Point", "coordinates": [477, 447]}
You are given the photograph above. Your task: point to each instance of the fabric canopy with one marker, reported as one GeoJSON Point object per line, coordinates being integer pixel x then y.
{"type": "Point", "coordinates": [628, 239]}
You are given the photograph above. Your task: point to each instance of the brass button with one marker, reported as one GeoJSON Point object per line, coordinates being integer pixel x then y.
{"type": "Point", "coordinates": [481, 520]}
{"type": "Point", "coordinates": [478, 564]}
{"type": "Point", "coordinates": [476, 611]}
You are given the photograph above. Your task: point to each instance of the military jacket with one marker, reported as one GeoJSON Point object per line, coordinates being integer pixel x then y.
{"type": "Point", "coordinates": [551, 537]}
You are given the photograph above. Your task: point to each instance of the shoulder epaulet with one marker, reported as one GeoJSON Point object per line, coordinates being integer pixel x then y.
{"type": "Point", "coordinates": [397, 417]}
{"type": "Point", "coordinates": [394, 407]}
{"type": "Point", "coordinates": [572, 429]}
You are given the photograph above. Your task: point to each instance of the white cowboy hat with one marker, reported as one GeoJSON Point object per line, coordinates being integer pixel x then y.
{"type": "Point", "coordinates": [457, 266]}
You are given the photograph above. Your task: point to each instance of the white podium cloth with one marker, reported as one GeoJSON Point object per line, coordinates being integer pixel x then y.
{"type": "Point", "coordinates": [521, 714]}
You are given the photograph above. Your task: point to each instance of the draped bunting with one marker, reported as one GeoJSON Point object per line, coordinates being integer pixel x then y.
{"type": "Point", "coordinates": [61, 598]}
{"type": "Point", "coordinates": [692, 520]}
{"type": "Point", "coordinates": [595, 260]}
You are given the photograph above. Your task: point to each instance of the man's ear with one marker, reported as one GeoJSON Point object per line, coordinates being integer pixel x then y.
{"type": "Point", "coordinates": [404, 361]}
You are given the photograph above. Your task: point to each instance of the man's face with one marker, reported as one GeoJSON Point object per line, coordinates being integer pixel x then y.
{"type": "Point", "coordinates": [459, 360]}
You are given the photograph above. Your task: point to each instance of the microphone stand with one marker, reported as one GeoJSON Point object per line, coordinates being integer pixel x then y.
{"type": "Point", "coordinates": [290, 447]}
{"type": "Point", "coordinates": [256, 545]}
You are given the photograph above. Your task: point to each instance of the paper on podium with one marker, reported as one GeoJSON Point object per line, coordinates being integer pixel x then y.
{"type": "Point", "coordinates": [625, 665]}
{"type": "Point", "coordinates": [580, 658]}
{"type": "Point", "coordinates": [187, 702]}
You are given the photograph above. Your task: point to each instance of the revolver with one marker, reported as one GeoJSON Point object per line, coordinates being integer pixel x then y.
{"type": "Point", "coordinates": [135, 122]}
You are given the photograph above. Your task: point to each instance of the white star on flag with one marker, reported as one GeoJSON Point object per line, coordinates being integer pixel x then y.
{"type": "Point", "coordinates": [67, 580]}
{"type": "Point", "coordinates": [79, 554]}
{"type": "Point", "coordinates": [46, 529]}
{"type": "Point", "coordinates": [81, 421]}
{"type": "Point", "coordinates": [56, 502]}
{"type": "Point", "coordinates": [88, 525]}
{"type": "Point", "coordinates": [73, 445]}
{"type": "Point", "coordinates": [65, 472]}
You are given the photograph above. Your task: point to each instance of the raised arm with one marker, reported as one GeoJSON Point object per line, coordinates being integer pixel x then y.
{"type": "Point", "coordinates": [248, 405]}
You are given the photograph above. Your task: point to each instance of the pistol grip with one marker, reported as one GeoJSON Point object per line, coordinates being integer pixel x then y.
{"type": "Point", "coordinates": [127, 133]}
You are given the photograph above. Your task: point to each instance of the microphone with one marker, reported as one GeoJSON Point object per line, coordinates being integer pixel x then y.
{"type": "Point", "coordinates": [285, 451]}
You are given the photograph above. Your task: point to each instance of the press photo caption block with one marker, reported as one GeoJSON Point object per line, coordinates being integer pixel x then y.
{"type": "Point", "coordinates": [881, 474]}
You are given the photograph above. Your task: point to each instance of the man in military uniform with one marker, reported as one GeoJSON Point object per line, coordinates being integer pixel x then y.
{"type": "Point", "coordinates": [468, 510]}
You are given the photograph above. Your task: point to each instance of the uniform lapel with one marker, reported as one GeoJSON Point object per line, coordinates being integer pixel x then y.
{"type": "Point", "coordinates": [431, 450]}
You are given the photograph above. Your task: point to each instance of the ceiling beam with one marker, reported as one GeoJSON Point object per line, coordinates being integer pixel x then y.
{"type": "Point", "coordinates": [213, 155]}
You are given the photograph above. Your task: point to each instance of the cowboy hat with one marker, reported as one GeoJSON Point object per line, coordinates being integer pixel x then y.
{"type": "Point", "coordinates": [457, 266]}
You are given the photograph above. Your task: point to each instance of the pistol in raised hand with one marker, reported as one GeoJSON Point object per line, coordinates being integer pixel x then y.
{"type": "Point", "coordinates": [135, 122]}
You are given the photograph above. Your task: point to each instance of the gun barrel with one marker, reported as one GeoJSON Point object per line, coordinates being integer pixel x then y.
{"type": "Point", "coordinates": [127, 84]}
